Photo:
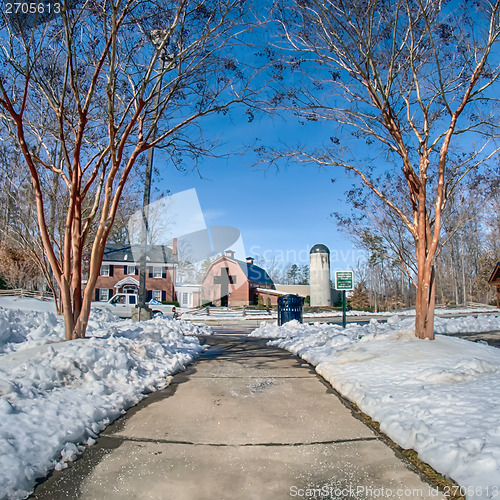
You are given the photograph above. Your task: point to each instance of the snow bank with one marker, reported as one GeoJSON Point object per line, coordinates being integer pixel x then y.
{"type": "Point", "coordinates": [440, 398]}
{"type": "Point", "coordinates": [56, 395]}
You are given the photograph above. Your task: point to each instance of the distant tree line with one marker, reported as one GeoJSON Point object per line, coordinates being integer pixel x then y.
{"type": "Point", "coordinates": [284, 273]}
{"type": "Point", "coordinates": [472, 247]}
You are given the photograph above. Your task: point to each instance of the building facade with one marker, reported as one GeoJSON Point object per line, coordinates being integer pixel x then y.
{"type": "Point", "coordinates": [120, 272]}
{"type": "Point", "coordinates": [232, 282]}
{"type": "Point", "coordinates": [188, 295]}
{"type": "Point", "coordinates": [495, 281]}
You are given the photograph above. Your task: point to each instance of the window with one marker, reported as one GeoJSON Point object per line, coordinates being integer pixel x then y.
{"type": "Point", "coordinates": [157, 272]}
{"type": "Point", "coordinates": [156, 295]}
{"type": "Point", "coordinates": [131, 300]}
{"type": "Point", "coordinates": [104, 294]}
{"type": "Point", "coordinates": [185, 298]}
{"type": "Point", "coordinates": [130, 269]}
{"type": "Point", "coordinates": [105, 270]}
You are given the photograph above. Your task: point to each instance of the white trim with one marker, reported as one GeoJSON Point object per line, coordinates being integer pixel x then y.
{"type": "Point", "coordinates": [101, 272]}
{"type": "Point", "coordinates": [271, 291]}
{"type": "Point", "coordinates": [128, 263]}
{"type": "Point", "coordinates": [126, 281]}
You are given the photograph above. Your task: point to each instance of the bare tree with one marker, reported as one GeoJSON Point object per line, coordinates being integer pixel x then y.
{"type": "Point", "coordinates": [18, 268]}
{"type": "Point", "coordinates": [84, 94]}
{"type": "Point", "coordinates": [400, 81]}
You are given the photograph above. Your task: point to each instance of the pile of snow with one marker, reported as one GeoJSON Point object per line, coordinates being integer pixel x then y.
{"type": "Point", "coordinates": [439, 398]}
{"type": "Point", "coordinates": [19, 331]}
{"type": "Point", "coordinates": [56, 396]}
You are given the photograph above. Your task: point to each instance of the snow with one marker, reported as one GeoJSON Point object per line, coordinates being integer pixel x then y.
{"type": "Point", "coordinates": [439, 398]}
{"type": "Point", "coordinates": [57, 396]}
{"type": "Point", "coordinates": [406, 312]}
{"type": "Point", "coordinates": [252, 314]}
{"type": "Point", "coordinates": [28, 304]}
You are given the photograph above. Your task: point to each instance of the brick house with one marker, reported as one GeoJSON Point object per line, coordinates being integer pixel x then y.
{"type": "Point", "coordinates": [232, 282]}
{"type": "Point", "coordinates": [120, 272]}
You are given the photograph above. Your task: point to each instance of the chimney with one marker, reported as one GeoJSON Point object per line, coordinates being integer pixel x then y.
{"type": "Point", "coordinates": [230, 254]}
{"type": "Point", "coordinates": [249, 260]}
{"type": "Point", "coordinates": [174, 246]}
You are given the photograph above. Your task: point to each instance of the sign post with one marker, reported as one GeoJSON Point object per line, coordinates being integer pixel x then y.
{"type": "Point", "coordinates": [344, 281]}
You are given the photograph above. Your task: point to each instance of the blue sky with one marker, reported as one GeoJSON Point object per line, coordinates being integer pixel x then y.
{"type": "Point", "coordinates": [280, 212]}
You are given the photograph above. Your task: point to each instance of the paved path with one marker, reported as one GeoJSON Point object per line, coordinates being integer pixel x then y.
{"type": "Point", "coordinates": [491, 338]}
{"type": "Point", "coordinates": [245, 422]}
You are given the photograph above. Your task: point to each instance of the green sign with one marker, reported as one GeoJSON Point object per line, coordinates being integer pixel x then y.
{"type": "Point", "coordinates": [344, 280]}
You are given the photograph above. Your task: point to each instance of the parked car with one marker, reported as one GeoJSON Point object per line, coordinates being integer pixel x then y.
{"type": "Point", "coordinates": [122, 304]}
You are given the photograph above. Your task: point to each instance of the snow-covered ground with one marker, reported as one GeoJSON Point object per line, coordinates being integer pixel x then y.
{"type": "Point", "coordinates": [55, 396]}
{"type": "Point", "coordinates": [439, 398]}
{"type": "Point", "coordinates": [440, 311]}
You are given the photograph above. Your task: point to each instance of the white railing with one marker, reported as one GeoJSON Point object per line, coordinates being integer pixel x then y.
{"type": "Point", "coordinates": [19, 292]}
{"type": "Point", "coordinates": [220, 312]}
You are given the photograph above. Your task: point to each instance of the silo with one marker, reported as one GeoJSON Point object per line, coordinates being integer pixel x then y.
{"type": "Point", "coordinates": [321, 294]}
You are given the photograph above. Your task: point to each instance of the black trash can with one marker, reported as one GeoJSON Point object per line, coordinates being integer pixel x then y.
{"type": "Point", "coordinates": [290, 308]}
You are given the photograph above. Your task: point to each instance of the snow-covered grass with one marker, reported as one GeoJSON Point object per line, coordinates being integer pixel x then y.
{"type": "Point", "coordinates": [57, 396]}
{"type": "Point", "coordinates": [439, 398]}
{"type": "Point", "coordinates": [27, 304]}
{"type": "Point", "coordinates": [440, 311]}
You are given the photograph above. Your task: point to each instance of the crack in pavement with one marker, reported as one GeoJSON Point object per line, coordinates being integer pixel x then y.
{"type": "Point", "coordinates": [217, 377]}
{"type": "Point", "coordinates": [103, 438]}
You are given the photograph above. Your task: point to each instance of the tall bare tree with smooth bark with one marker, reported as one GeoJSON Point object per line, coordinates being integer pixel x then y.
{"type": "Point", "coordinates": [77, 97]}
{"type": "Point", "coordinates": [405, 86]}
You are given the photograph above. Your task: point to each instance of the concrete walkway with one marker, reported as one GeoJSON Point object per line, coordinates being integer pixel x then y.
{"type": "Point", "coordinates": [245, 422]}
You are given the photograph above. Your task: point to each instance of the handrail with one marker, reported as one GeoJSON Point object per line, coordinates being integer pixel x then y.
{"type": "Point", "coordinates": [19, 292]}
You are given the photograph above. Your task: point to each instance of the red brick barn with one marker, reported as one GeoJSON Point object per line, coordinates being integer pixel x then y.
{"type": "Point", "coordinates": [232, 282]}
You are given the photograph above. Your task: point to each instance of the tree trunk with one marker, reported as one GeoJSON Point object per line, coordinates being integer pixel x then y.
{"type": "Point", "coordinates": [426, 294]}
{"type": "Point", "coordinates": [425, 302]}
{"type": "Point", "coordinates": [67, 308]}
{"type": "Point", "coordinates": [464, 283]}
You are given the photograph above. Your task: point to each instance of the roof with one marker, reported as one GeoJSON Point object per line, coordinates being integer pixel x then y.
{"type": "Point", "coordinates": [254, 273]}
{"type": "Point", "coordinates": [495, 275]}
{"type": "Point", "coordinates": [319, 248]}
{"type": "Point", "coordinates": [132, 254]}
